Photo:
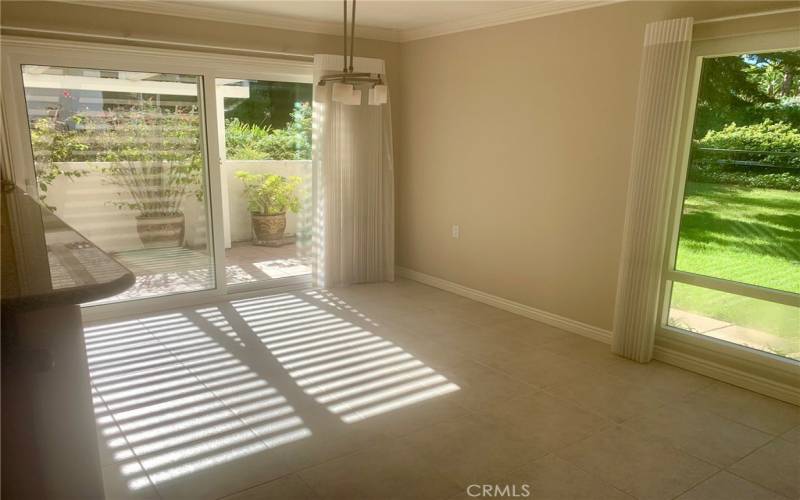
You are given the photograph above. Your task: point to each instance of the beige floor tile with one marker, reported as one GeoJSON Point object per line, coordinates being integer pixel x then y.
{"type": "Point", "coordinates": [473, 449]}
{"type": "Point", "coordinates": [703, 434]}
{"type": "Point", "coordinates": [537, 367]}
{"type": "Point", "coordinates": [481, 314]}
{"type": "Point", "coordinates": [726, 486]}
{"type": "Point", "coordinates": [549, 422]}
{"type": "Point", "coordinates": [552, 478]}
{"type": "Point", "coordinates": [792, 435]}
{"type": "Point", "coordinates": [638, 464]}
{"type": "Point", "coordinates": [746, 407]}
{"type": "Point", "coordinates": [286, 488]}
{"type": "Point", "coordinates": [775, 466]}
{"type": "Point", "coordinates": [407, 419]}
{"type": "Point", "coordinates": [585, 349]}
{"type": "Point", "coordinates": [609, 396]}
{"type": "Point", "coordinates": [525, 389]}
{"type": "Point", "coordinates": [388, 471]}
{"type": "Point", "coordinates": [530, 331]}
{"type": "Point", "coordinates": [433, 322]}
{"type": "Point", "coordinates": [219, 473]}
{"type": "Point", "coordinates": [134, 486]}
{"type": "Point", "coordinates": [330, 440]}
{"type": "Point", "coordinates": [481, 386]}
{"type": "Point", "coordinates": [669, 380]}
{"type": "Point", "coordinates": [484, 344]}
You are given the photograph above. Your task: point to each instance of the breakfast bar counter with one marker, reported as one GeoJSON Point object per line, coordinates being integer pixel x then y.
{"type": "Point", "coordinates": [48, 421]}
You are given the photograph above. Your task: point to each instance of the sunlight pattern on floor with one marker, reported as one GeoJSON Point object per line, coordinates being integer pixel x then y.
{"type": "Point", "coordinates": [171, 399]}
{"type": "Point", "coordinates": [355, 373]}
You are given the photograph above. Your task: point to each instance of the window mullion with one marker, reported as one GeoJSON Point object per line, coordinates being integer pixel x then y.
{"type": "Point", "coordinates": [751, 291]}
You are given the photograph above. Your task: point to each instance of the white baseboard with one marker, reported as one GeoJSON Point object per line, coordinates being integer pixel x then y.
{"type": "Point", "coordinates": [729, 374]}
{"type": "Point", "coordinates": [569, 325]}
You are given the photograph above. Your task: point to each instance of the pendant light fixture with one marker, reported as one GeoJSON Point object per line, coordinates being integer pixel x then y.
{"type": "Point", "coordinates": [342, 85]}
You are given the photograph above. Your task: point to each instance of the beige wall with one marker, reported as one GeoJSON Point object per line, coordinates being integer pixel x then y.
{"type": "Point", "coordinates": [521, 134]}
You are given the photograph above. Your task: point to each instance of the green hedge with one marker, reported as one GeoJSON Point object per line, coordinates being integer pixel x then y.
{"type": "Point", "coordinates": [746, 156]}
{"type": "Point", "coordinates": [757, 143]}
{"type": "Point", "coordinates": [789, 181]}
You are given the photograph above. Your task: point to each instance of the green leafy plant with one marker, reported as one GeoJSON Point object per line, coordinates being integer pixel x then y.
{"type": "Point", "coordinates": [153, 153]}
{"type": "Point", "coordinates": [246, 141]}
{"type": "Point", "coordinates": [270, 194]}
{"type": "Point", "coordinates": [52, 144]}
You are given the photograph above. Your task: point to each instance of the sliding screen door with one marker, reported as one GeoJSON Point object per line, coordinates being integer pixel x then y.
{"type": "Point", "coordinates": [120, 156]}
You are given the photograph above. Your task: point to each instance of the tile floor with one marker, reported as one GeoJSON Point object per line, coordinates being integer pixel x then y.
{"type": "Point", "coordinates": [405, 391]}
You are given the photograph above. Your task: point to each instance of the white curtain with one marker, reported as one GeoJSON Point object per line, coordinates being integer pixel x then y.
{"type": "Point", "coordinates": [665, 60]}
{"type": "Point", "coordinates": [6, 172]}
{"type": "Point", "coordinates": [354, 183]}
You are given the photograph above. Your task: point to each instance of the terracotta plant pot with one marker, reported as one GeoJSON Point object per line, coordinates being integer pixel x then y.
{"type": "Point", "coordinates": [268, 229]}
{"type": "Point", "coordinates": [161, 231]}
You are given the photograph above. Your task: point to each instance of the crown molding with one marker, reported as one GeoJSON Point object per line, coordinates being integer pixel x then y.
{"type": "Point", "coordinates": [194, 11]}
{"type": "Point", "coordinates": [539, 9]}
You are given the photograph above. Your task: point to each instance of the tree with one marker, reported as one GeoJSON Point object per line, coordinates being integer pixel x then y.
{"type": "Point", "coordinates": [747, 89]}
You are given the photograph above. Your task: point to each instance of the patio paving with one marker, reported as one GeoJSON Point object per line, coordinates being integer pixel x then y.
{"type": "Point", "coordinates": [747, 337]}
{"type": "Point", "coordinates": [164, 271]}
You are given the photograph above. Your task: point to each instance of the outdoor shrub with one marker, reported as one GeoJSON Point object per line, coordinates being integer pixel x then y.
{"type": "Point", "coordinates": [768, 142]}
{"type": "Point", "coordinates": [244, 141]}
{"type": "Point", "coordinates": [270, 194]}
{"type": "Point", "coordinates": [715, 174]}
{"type": "Point", "coordinates": [151, 152]}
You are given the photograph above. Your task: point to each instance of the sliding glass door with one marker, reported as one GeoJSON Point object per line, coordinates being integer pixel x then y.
{"type": "Point", "coordinates": [733, 273]}
{"type": "Point", "coordinates": [119, 156]}
{"type": "Point", "coordinates": [191, 169]}
{"type": "Point", "coordinates": [265, 150]}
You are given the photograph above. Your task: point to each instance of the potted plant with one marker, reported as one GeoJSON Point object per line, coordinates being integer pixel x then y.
{"type": "Point", "coordinates": [153, 154]}
{"type": "Point", "coordinates": [269, 196]}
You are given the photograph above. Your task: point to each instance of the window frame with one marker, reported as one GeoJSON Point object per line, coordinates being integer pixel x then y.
{"type": "Point", "coordinates": [673, 341]}
{"type": "Point", "coordinates": [20, 50]}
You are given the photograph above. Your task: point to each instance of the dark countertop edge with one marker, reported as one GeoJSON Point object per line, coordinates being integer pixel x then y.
{"type": "Point", "coordinates": [67, 296]}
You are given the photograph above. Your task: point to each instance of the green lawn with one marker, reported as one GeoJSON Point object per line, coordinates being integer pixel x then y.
{"type": "Point", "coordinates": [746, 235]}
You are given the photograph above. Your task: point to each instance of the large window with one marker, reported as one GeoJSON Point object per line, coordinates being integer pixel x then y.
{"type": "Point", "coordinates": [734, 270]}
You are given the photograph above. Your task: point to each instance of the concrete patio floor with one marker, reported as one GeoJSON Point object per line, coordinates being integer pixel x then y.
{"type": "Point", "coordinates": [165, 271]}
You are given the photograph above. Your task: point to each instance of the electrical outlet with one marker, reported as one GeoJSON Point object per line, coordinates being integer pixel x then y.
{"type": "Point", "coordinates": [456, 231]}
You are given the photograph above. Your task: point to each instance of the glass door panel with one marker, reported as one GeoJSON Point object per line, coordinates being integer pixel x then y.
{"type": "Point", "coordinates": [266, 180]}
{"type": "Point", "coordinates": [119, 156]}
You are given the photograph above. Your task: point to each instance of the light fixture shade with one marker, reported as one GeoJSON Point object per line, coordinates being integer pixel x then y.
{"type": "Point", "coordinates": [355, 98]}
{"type": "Point", "coordinates": [379, 94]}
{"type": "Point", "coordinates": [322, 93]}
{"type": "Point", "coordinates": [342, 92]}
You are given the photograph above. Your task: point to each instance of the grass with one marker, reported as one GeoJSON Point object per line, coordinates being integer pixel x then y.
{"type": "Point", "coordinates": [741, 234]}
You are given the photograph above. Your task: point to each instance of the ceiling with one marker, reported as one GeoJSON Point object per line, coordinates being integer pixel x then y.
{"type": "Point", "coordinates": [386, 14]}
{"type": "Point", "coordinates": [394, 20]}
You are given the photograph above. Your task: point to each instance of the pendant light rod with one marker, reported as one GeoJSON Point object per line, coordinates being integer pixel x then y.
{"type": "Point", "coordinates": [352, 33]}
{"type": "Point", "coordinates": [344, 39]}
{"type": "Point", "coordinates": [348, 75]}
